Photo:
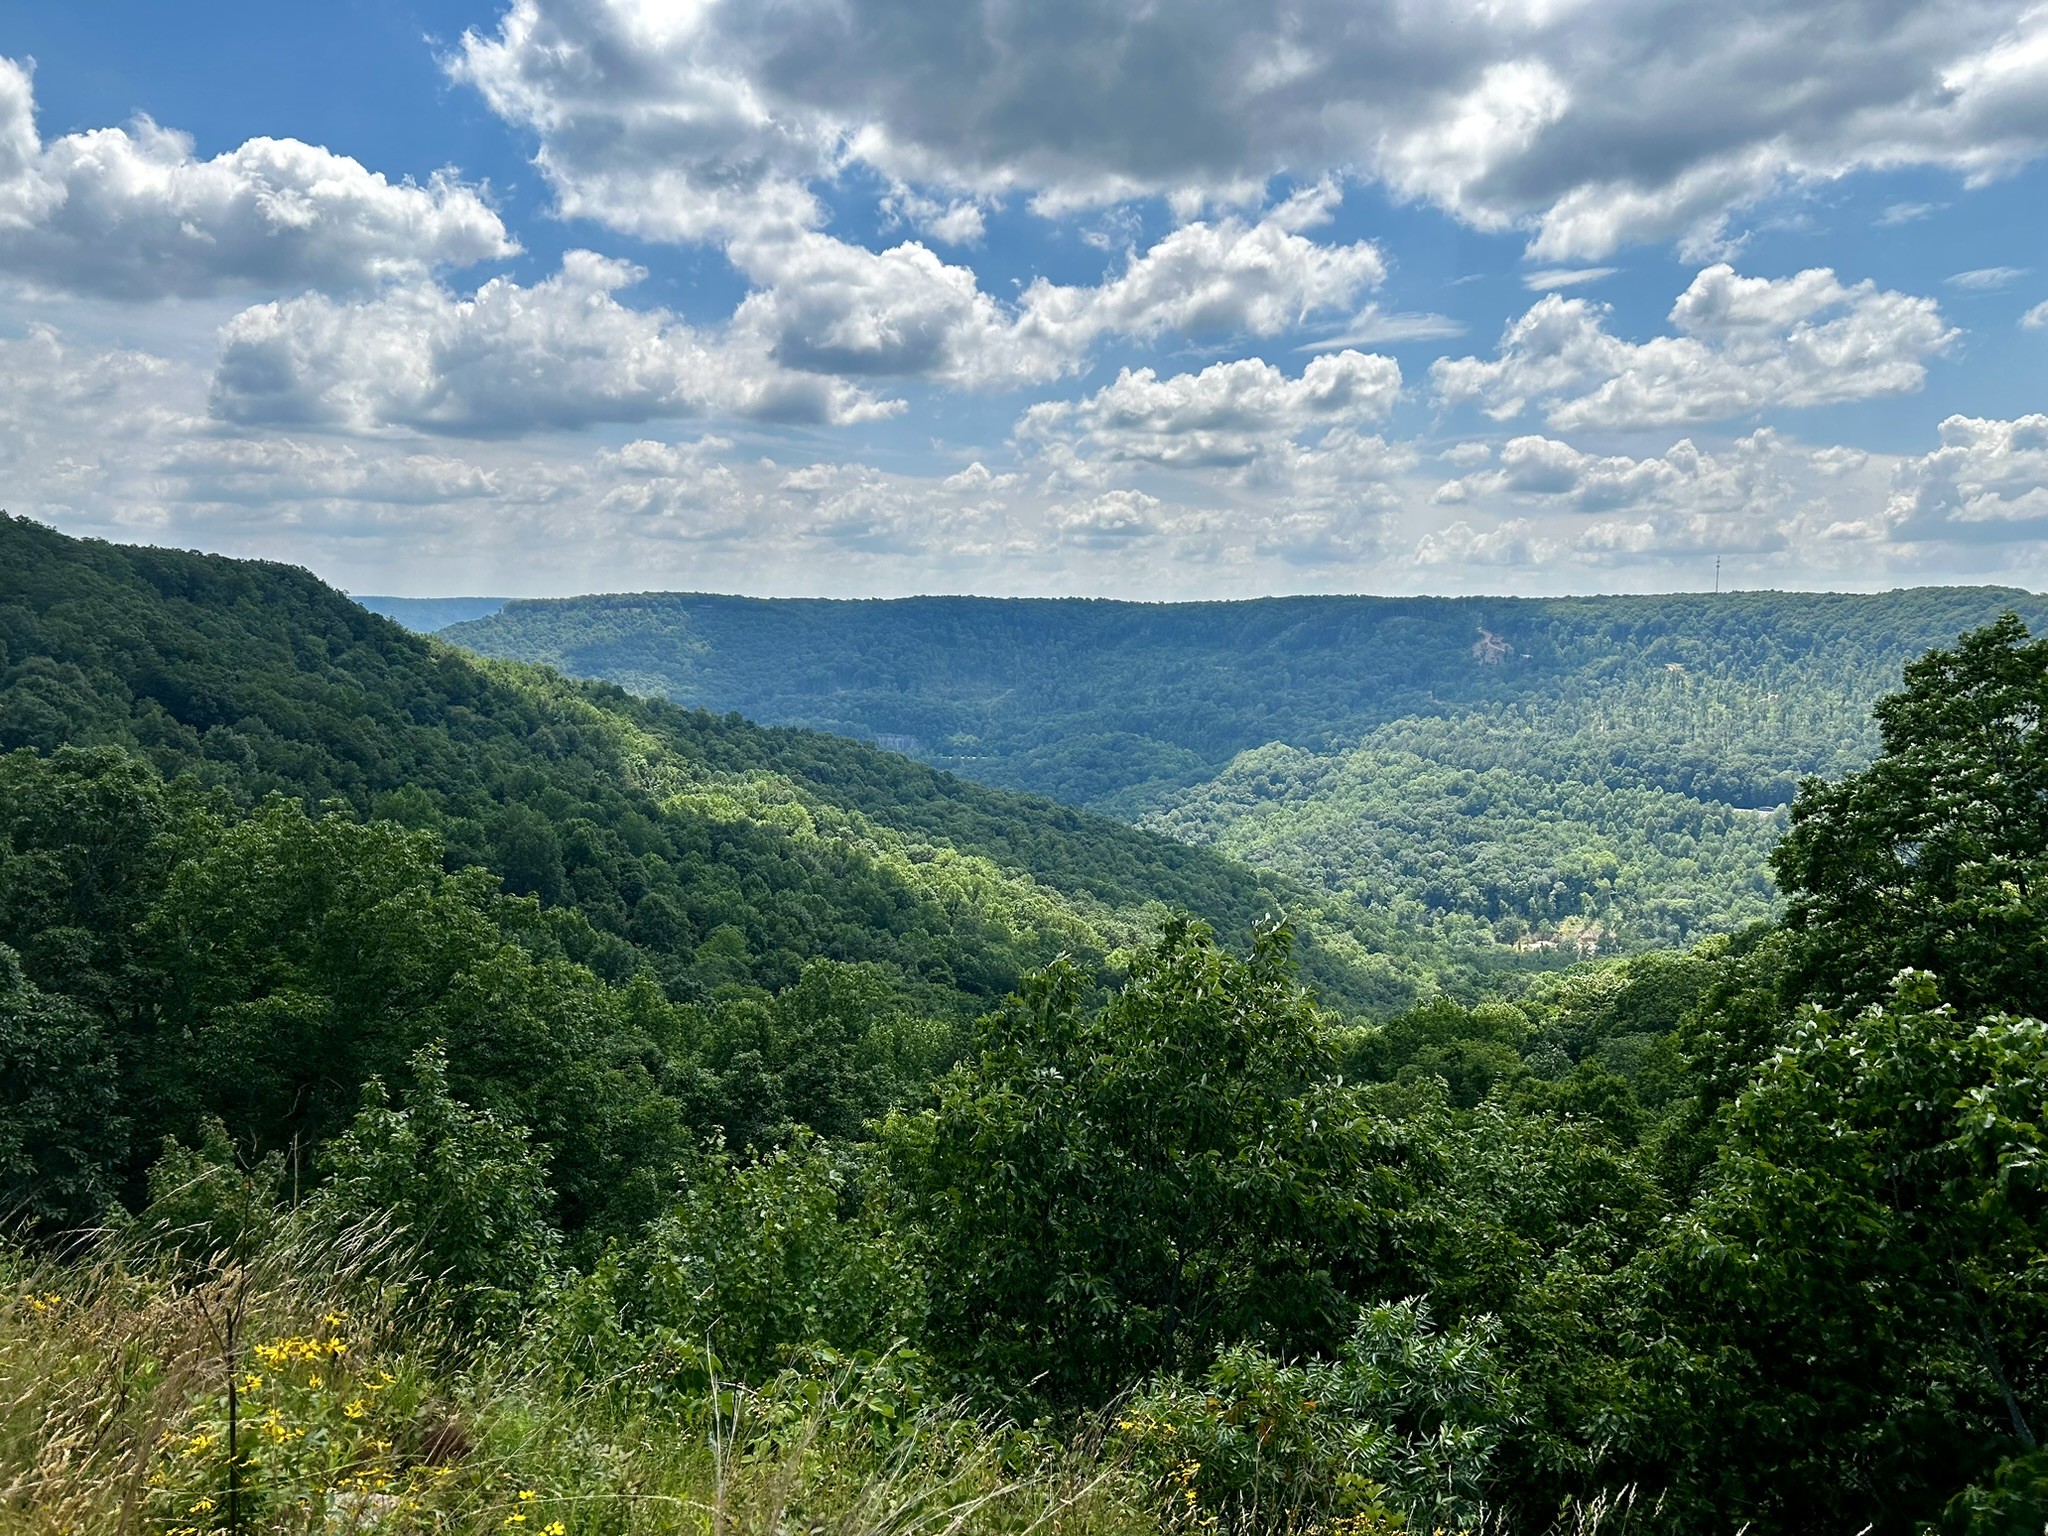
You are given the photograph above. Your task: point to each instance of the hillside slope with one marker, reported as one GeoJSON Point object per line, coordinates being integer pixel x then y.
{"type": "Point", "coordinates": [716, 851]}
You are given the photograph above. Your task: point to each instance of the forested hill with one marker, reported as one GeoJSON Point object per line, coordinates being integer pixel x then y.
{"type": "Point", "coordinates": [712, 851]}
{"type": "Point", "coordinates": [1116, 704]}
{"type": "Point", "coordinates": [1470, 781]}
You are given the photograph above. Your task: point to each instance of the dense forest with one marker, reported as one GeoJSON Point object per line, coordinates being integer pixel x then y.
{"type": "Point", "coordinates": [440, 1096]}
{"type": "Point", "coordinates": [1449, 775]}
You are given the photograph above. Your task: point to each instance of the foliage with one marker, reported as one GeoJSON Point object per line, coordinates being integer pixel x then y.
{"type": "Point", "coordinates": [1859, 1296]}
{"type": "Point", "coordinates": [61, 1130]}
{"type": "Point", "coordinates": [115, 1412]}
{"type": "Point", "coordinates": [1109, 1189]}
{"type": "Point", "coordinates": [761, 1263]}
{"type": "Point", "coordinates": [1398, 1428]}
{"type": "Point", "coordinates": [1936, 856]}
{"type": "Point", "coordinates": [467, 1189]}
{"type": "Point", "coordinates": [726, 1181]}
{"type": "Point", "coordinates": [618, 814]}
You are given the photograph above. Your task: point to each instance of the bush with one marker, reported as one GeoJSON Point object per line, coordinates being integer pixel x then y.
{"type": "Point", "coordinates": [1400, 1427]}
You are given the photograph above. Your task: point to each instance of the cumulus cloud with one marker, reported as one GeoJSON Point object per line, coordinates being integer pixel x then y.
{"type": "Point", "coordinates": [1761, 495]}
{"type": "Point", "coordinates": [1743, 345]}
{"type": "Point", "coordinates": [560, 353]}
{"type": "Point", "coordinates": [1226, 417]}
{"type": "Point", "coordinates": [1748, 476]}
{"type": "Point", "coordinates": [827, 306]}
{"type": "Point", "coordinates": [1280, 468]}
{"type": "Point", "coordinates": [1236, 479]}
{"type": "Point", "coordinates": [1108, 521]}
{"type": "Point", "coordinates": [130, 213]}
{"type": "Point", "coordinates": [1514, 542]}
{"type": "Point", "coordinates": [2036, 318]}
{"type": "Point", "coordinates": [1228, 276]}
{"type": "Point", "coordinates": [1987, 482]}
{"type": "Point", "coordinates": [1590, 127]}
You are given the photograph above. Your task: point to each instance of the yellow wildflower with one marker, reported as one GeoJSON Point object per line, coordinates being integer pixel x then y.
{"type": "Point", "coordinates": [356, 1409]}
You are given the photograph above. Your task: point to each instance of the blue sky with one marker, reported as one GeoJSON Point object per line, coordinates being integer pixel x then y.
{"type": "Point", "coordinates": [882, 296]}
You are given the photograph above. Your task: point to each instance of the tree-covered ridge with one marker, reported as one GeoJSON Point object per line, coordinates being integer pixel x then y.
{"type": "Point", "coordinates": [1111, 704]}
{"type": "Point", "coordinates": [1466, 783]}
{"type": "Point", "coordinates": [259, 679]}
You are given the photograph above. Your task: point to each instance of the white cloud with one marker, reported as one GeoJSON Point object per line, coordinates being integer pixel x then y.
{"type": "Point", "coordinates": [1226, 417]}
{"type": "Point", "coordinates": [1592, 127]}
{"type": "Point", "coordinates": [1747, 477]}
{"type": "Point", "coordinates": [78, 428]}
{"type": "Point", "coordinates": [1234, 480]}
{"type": "Point", "coordinates": [953, 221]}
{"type": "Point", "coordinates": [828, 306]}
{"type": "Point", "coordinates": [2036, 318]}
{"type": "Point", "coordinates": [1754, 495]}
{"type": "Point", "coordinates": [1108, 521]}
{"type": "Point", "coordinates": [1987, 482]}
{"type": "Point", "coordinates": [648, 121]}
{"type": "Point", "coordinates": [562, 353]}
{"type": "Point", "coordinates": [1372, 327]}
{"type": "Point", "coordinates": [977, 479]}
{"type": "Point", "coordinates": [1512, 543]}
{"type": "Point", "coordinates": [1896, 214]}
{"type": "Point", "coordinates": [272, 471]}
{"type": "Point", "coordinates": [1229, 276]}
{"type": "Point", "coordinates": [130, 213]}
{"type": "Point", "coordinates": [1988, 279]}
{"type": "Point", "coordinates": [1744, 345]}
{"type": "Point", "coordinates": [1564, 277]}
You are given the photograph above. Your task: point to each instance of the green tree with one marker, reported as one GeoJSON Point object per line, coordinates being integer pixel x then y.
{"type": "Point", "coordinates": [1401, 1424]}
{"type": "Point", "coordinates": [466, 1187]}
{"type": "Point", "coordinates": [1936, 856]}
{"type": "Point", "coordinates": [1851, 1317]}
{"type": "Point", "coordinates": [62, 1135]}
{"type": "Point", "coordinates": [759, 1260]}
{"type": "Point", "coordinates": [1111, 1190]}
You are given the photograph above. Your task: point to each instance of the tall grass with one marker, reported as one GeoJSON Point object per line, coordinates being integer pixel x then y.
{"type": "Point", "coordinates": [354, 1410]}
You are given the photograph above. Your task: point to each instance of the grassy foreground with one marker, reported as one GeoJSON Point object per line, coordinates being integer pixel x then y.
{"type": "Point", "coordinates": [306, 1391]}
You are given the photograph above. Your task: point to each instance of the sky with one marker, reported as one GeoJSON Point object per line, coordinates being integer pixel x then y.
{"type": "Point", "coordinates": [1217, 298]}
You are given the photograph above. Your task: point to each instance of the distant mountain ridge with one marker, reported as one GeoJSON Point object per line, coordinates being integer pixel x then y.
{"type": "Point", "coordinates": [1496, 769]}
{"type": "Point", "coordinates": [425, 615]}
{"type": "Point", "coordinates": [1089, 700]}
